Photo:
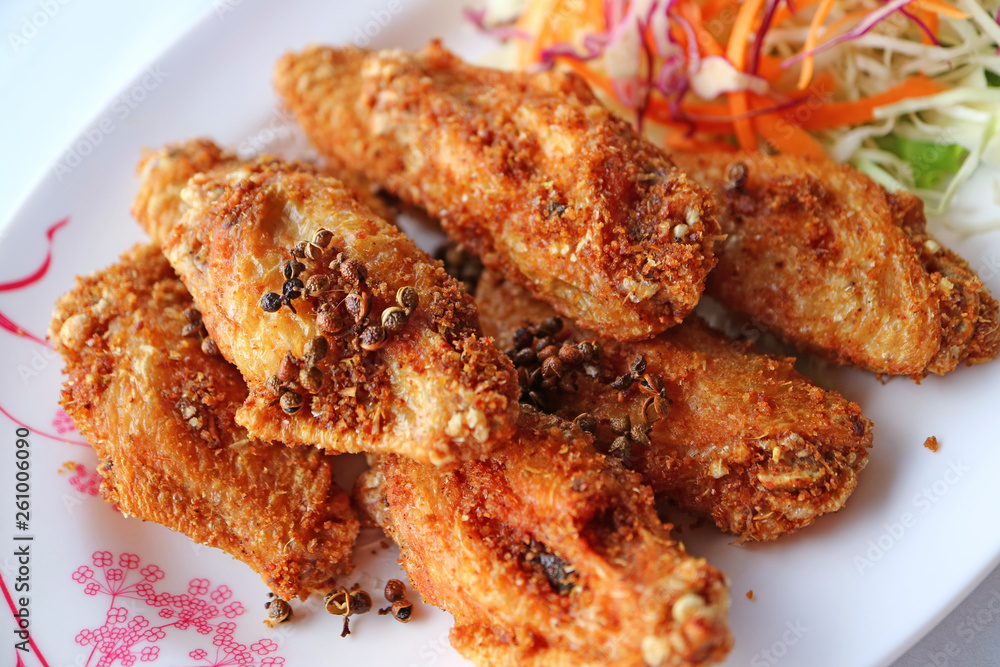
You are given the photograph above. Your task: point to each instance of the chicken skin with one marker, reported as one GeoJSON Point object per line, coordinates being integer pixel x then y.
{"type": "Point", "coordinates": [547, 554]}
{"type": "Point", "coordinates": [836, 265]}
{"type": "Point", "coordinates": [348, 336]}
{"type": "Point", "coordinates": [158, 404]}
{"type": "Point", "coordinates": [529, 171]}
{"type": "Point", "coordinates": [717, 428]}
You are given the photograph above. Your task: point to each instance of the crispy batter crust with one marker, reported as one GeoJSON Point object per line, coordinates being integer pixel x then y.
{"type": "Point", "coordinates": [160, 414]}
{"type": "Point", "coordinates": [836, 265]}
{"type": "Point", "coordinates": [549, 554]}
{"type": "Point", "coordinates": [437, 391]}
{"type": "Point", "coordinates": [528, 171]}
{"type": "Point", "coordinates": [746, 440]}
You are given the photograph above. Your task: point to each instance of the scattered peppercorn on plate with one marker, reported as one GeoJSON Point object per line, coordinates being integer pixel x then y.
{"type": "Point", "coordinates": [345, 301]}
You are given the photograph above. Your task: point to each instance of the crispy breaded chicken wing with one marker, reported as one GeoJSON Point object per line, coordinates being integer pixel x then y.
{"type": "Point", "coordinates": [549, 553]}
{"type": "Point", "coordinates": [530, 172]}
{"type": "Point", "coordinates": [160, 413]}
{"type": "Point", "coordinates": [743, 438]}
{"type": "Point", "coordinates": [836, 265]}
{"type": "Point", "coordinates": [347, 334]}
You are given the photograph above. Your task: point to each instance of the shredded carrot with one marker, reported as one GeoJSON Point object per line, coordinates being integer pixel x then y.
{"type": "Point", "coordinates": [554, 21]}
{"type": "Point", "coordinates": [769, 68]}
{"type": "Point", "coordinates": [942, 8]}
{"type": "Point", "coordinates": [787, 137]}
{"type": "Point", "coordinates": [840, 114]}
{"type": "Point", "coordinates": [713, 8]}
{"type": "Point", "coordinates": [693, 15]}
{"type": "Point", "coordinates": [932, 22]}
{"type": "Point", "coordinates": [736, 52]}
{"type": "Point", "coordinates": [659, 111]}
{"type": "Point", "coordinates": [589, 75]}
{"type": "Point", "coordinates": [680, 142]}
{"type": "Point", "coordinates": [811, 39]}
{"type": "Point", "coordinates": [784, 13]}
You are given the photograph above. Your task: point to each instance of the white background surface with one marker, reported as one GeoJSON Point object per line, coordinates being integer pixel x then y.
{"type": "Point", "coordinates": [61, 63]}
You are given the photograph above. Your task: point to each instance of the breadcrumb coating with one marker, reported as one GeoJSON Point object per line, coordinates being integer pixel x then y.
{"type": "Point", "coordinates": [160, 413]}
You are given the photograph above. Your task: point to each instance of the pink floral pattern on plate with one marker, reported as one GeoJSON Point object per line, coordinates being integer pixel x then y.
{"type": "Point", "coordinates": [83, 479]}
{"type": "Point", "coordinates": [127, 636]}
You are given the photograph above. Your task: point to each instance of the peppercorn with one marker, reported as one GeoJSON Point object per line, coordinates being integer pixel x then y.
{"type": "Point", "coordinates": [315, 350]}
{"type": "Point", "coordinates": [323, 237]}
{"type": "Point", "coordinates": [525, 357]}
{"type": "Point", "coordinates": [317, 284]}
{"type": "Point", "coordinates": [621, 425]}
{"type": "Point", "coordinates": [190, 329]}
{"type": "Point", "coordinates": [291, 289]}
{"type": "Point", "coordinates": [638, 435]}
{"type": "Point", "coordinates": [542, 343]}
{"type": "Point", "coordinates": [561, 576]}
{"type": "Point", "coordinates": [639, 365]}
{"type": "Point", "coordinates": [523, 338]}
{"type": "Point", "coordinates": [313, 252]}
{"type": "Point", "coordinates": [353, 270]}
{"type": "Point", "coordinates": [586, 421]}
{"type": "Point", "coordinates": [361, 602]}
{"type": "Point", "coordinates": [193, 315]}
{"type": "Point", "coordinates": [273, 386]}
{"type": "Point", "coordinates": [552, 368]}
{"type": "Point", "coordinates": [737, 175]}
{"type": "Point", "coordinates": [290, 402]}
{"type": "Point", "coordinates": [395, 590]}
{"type": "Point", "coordinates": [394, 318]}
{"type": "Point", "coordinates": [329, 321]}
{"type": "Point", "coordinates": [402, 610]}
{"type": "Point", "coordinates": [271, 302]}
{"type": "Point", "coordinates": [570, 355]}
{"type": "Point", "coordinates": [278, 611]}
{"type": "Point", "coordinates": [372, 338]}
{"type": "Point", "coordinates": [311, 379]}
{"type": "Point", "coordinates": [623, 382]}
{"type": "Point", "coordinates": [358, 304]}
{"type": "Point", "coordinates": [621, 449]}
{"type": "Point", "coordinates": [288, 368]}
{"type": "Point", "coordinates": [550, 326]}
{"type": "Point", "coordinates": [209, 347]}
{"type": "Point", "coordinates": [408, 298]}
{"type": "Point", "coordinates": [338, 601]}
{"type": "Point", "coordinates": [292, 269]}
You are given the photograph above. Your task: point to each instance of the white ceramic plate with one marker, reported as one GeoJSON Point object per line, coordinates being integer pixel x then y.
{"type": "Point", "coordinates": [857, 588]}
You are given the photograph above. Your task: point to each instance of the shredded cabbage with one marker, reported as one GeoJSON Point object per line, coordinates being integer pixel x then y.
{"type": "Point", "coordinates": [928, 145]}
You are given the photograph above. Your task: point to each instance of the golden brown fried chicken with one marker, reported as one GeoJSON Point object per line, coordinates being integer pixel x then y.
{"type": "Point", "coordinates": [347, 334]}
{"type": "Point", "coordinates": [160, 413]}
{"type": "Point", "coordinates": [529, 171]}
{"type": "Point", "coordinates": [743, 438]}
{"type": "Point", "coordinates": [549, 553]}
{"type": "Point", "coordinates": [362, 189]}
{"type": "Point", "coordinates": [835, 264]}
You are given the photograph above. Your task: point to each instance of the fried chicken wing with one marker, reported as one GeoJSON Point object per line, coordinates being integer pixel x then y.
{"type": "Point", "coordinates": [548, 553]}
{"type": "Point", "coordinates": [712, 425]}
{"type": "Point", "coordinates": [835, 264]}
{"type": "Point", "coordinates": [347, 334]}
{"type": "Point", "coordinates": [530, 172]}
{"type": "Point", "coordinates": [160, 413]}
